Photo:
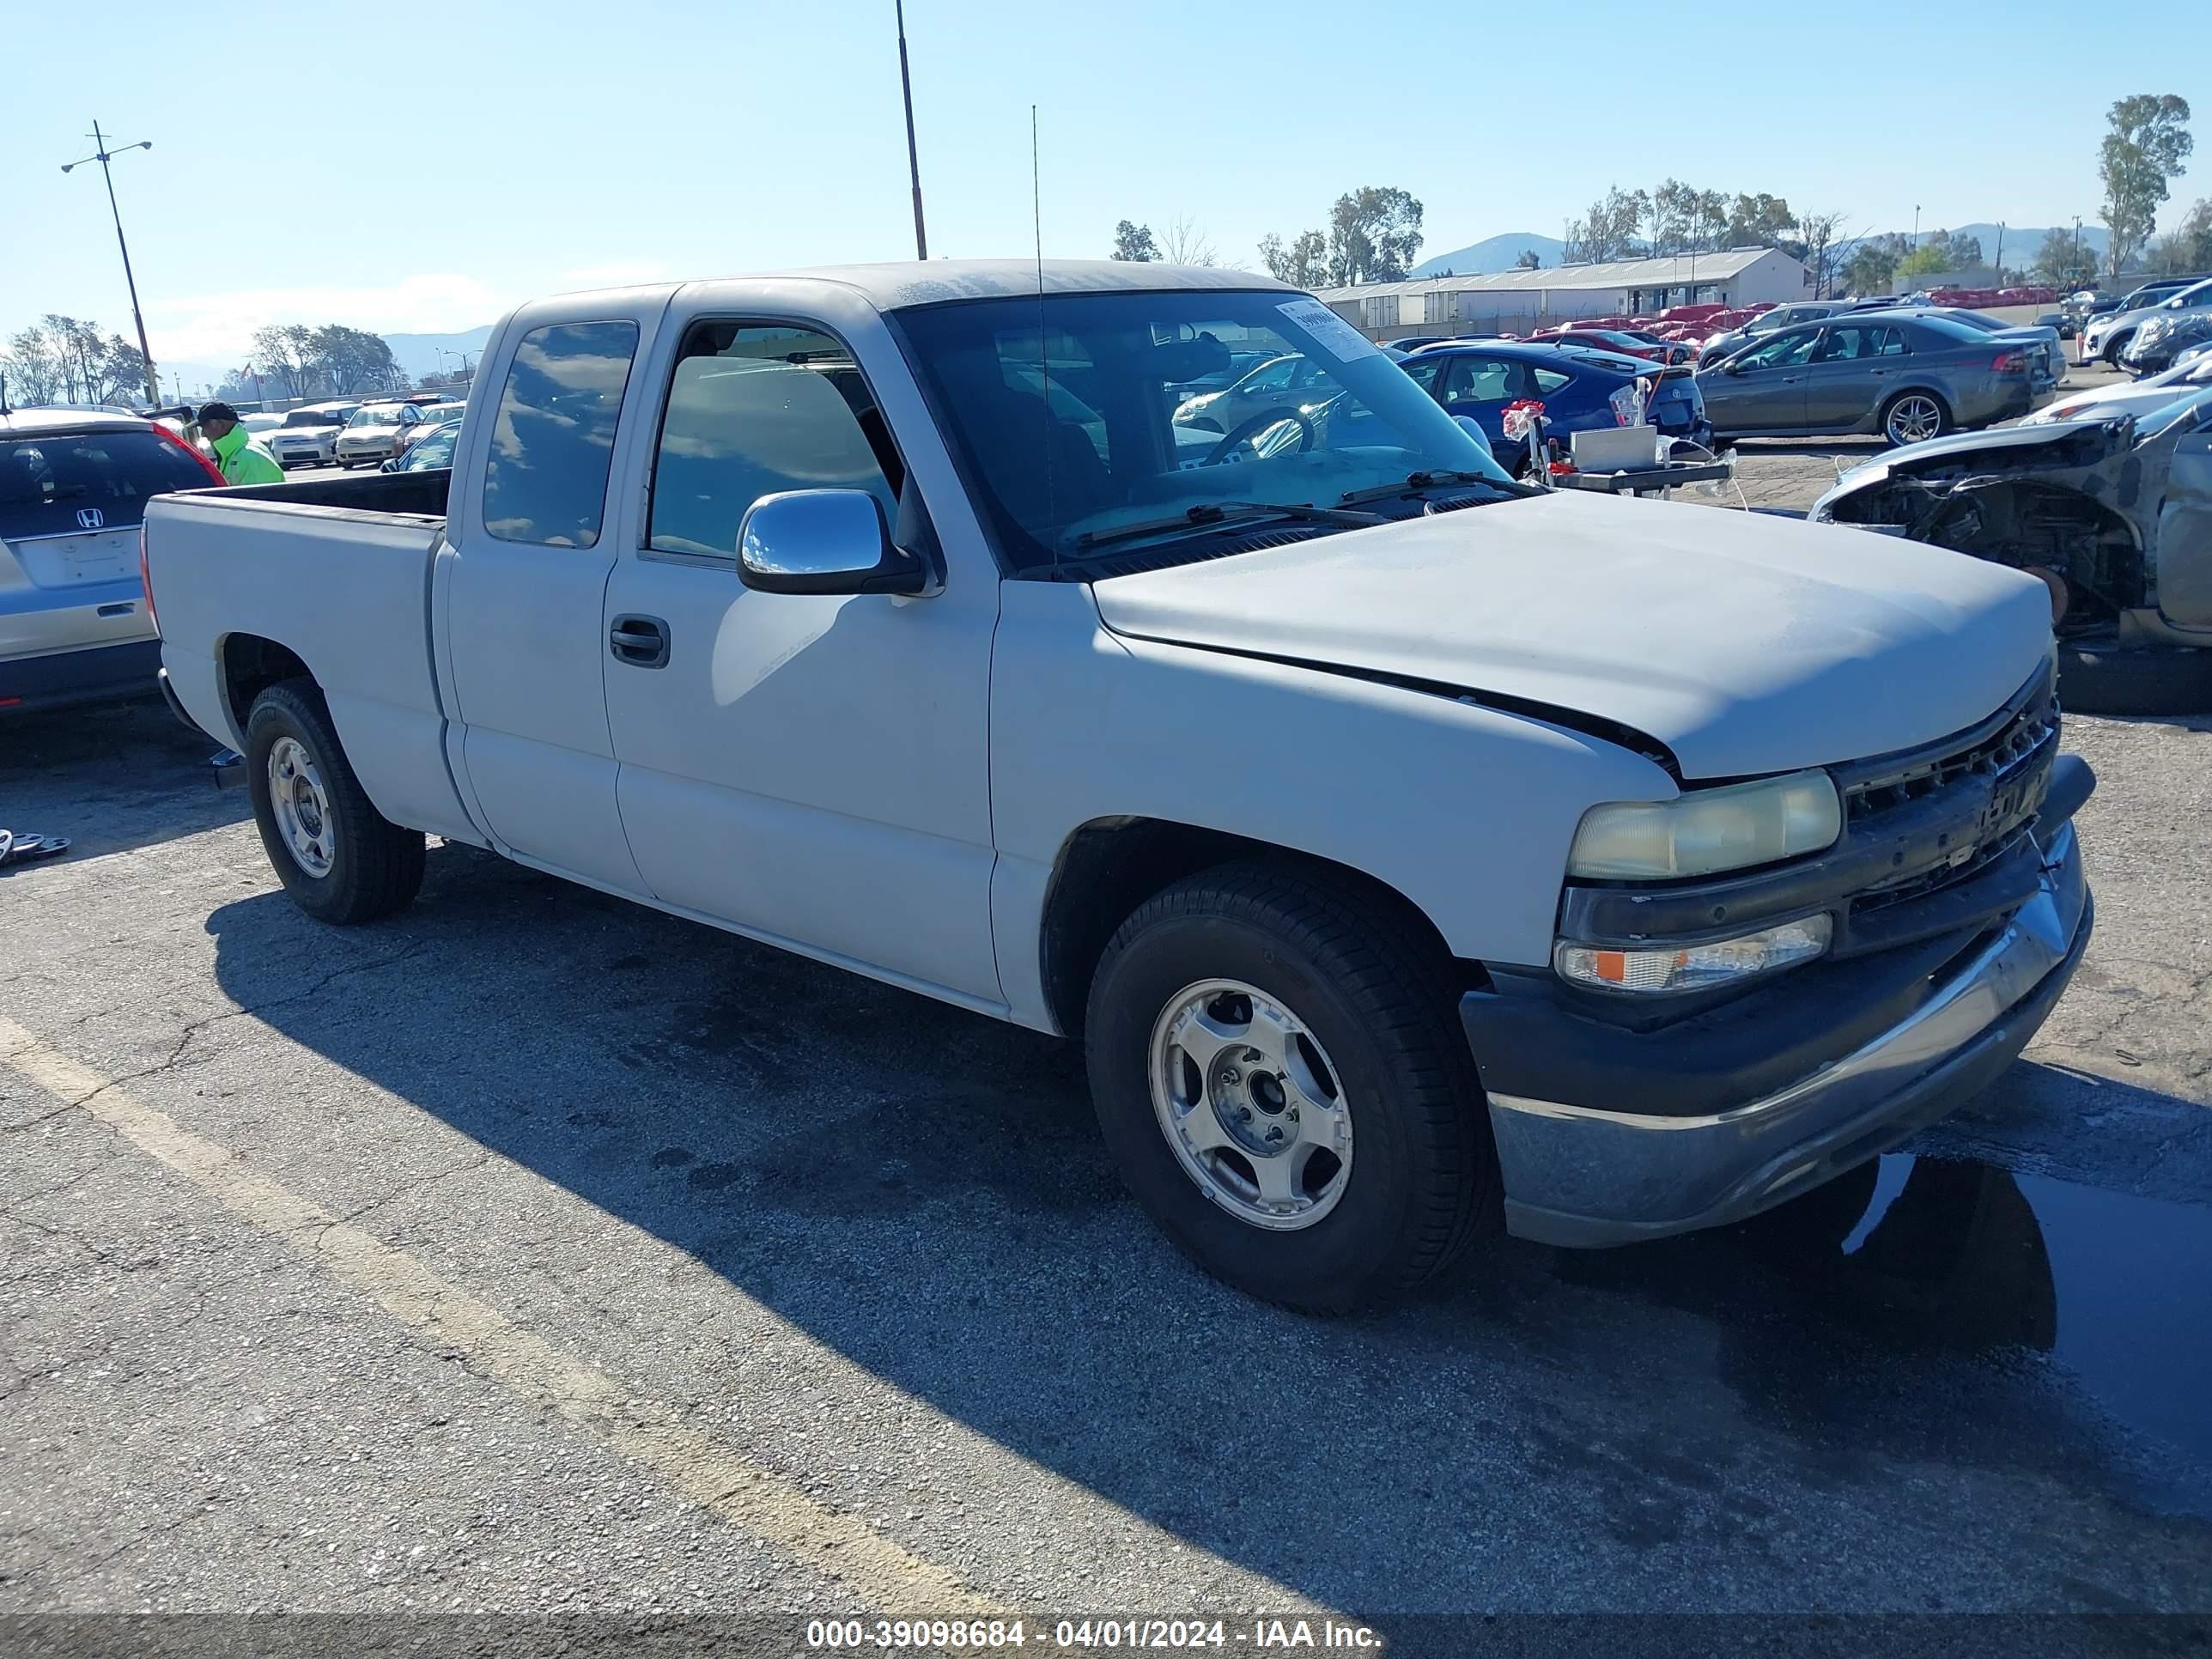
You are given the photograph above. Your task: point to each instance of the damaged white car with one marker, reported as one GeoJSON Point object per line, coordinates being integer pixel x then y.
{"type": "Point", "coordinates": [2113, 512]}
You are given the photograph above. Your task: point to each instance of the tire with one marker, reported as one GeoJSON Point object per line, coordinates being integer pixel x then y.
{"type": "Point", "coordinates": [370, 866]}
{"type": "Point", "coordinates": [1901, 409]}
{"type": "Point", "coordinates": [2103, 679]}
{"type": "Point", "coordinates": [2114, 346]}
{"type": "Point", "coordinates": [1418, 1180]}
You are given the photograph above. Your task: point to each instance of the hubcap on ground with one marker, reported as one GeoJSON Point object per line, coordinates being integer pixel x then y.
{"type": "Point", "coordinates": [1250, 1105]}
{"type": "Point", "coordinates": [303, 810]}
{"type": "Point", "coordinates": [1913, 420]}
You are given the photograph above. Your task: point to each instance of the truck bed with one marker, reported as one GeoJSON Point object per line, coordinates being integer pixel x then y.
{"type": "Point", "coordinates": [414, 495]}
{"type": "Point", "coordinates": [335, 570]}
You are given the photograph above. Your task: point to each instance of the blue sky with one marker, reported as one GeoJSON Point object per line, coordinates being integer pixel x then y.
{"type": "Point", "coordinates": [419, 174]}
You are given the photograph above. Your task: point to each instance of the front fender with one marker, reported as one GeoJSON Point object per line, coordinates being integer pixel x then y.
{"type": "Point", "coordinates": [1467, 812]}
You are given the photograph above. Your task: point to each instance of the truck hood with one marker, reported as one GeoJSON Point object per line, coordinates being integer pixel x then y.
{"type": "Point", "coordinates": [1744, 643]}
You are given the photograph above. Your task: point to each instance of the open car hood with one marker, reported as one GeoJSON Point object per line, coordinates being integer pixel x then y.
{"type": "Point", "coordinates": [1744, 643]}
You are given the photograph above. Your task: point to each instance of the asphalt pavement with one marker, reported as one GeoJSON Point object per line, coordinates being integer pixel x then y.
{"type": "Point", "coordinates": [533, 1252]}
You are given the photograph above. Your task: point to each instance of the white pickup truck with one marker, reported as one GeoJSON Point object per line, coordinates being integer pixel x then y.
{"type": "Point", "coordinates": [1416, 853]}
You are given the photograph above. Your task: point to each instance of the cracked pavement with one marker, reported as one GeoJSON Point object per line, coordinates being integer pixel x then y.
{"type": "Point", "coordinates": [867, 1251]}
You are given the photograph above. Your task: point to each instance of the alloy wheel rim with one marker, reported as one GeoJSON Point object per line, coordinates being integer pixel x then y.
{"type": "Point", "coordinates": [1252, 1106]}
{"type": "Point", "coordinates": [303, 808]}
{"type": "Point", "coordinates": [1913, 421]}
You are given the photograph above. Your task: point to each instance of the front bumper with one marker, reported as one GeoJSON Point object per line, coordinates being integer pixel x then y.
{"type": "Point", "coordinates": [1583, 1174]}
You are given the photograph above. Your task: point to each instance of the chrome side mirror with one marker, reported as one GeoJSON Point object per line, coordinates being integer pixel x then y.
{"type": "Point", "coordinates": [823, 541]}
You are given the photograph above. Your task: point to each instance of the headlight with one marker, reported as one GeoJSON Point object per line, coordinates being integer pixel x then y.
{"type": "Point", "coordinates": [1708, 830]}
{"type": "Point", "coordinates": [1693, 967]}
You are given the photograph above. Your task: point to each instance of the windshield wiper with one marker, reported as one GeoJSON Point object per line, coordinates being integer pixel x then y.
{"type": "Point", "coordinates": [1430, 479]}
{"type": "Point", "coordinates": [1208, 514]}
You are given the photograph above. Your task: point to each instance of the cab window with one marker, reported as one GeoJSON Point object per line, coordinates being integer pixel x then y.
{"type": "Point", "coordinates": [756, 408]}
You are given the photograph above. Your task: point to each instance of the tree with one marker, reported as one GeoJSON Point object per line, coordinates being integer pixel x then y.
{"type": "Point", "coordinates": [1607, 231]}
{"type": "Point", "coordinates": [341, 360]}
{"type": "Point", "coordinates": [1183, 243]}
{"type": "Point", "coordinates": [1374, 232]}
{"type": "Point", "coordinates": [1823, 242]}
{"type": "Point", "coordinates": [1673, 215]}
{"type": "Point", "coordinates": [1757, 220]}
{"type": "Point", "coordinates": [2188, 246]}
{"type": "Point", "coordinates": [2146, 150]}
{"type": "Point", "coordinates": [1871, 268]}
{"type": "Point", "coordinates": [34, 369]}
{"type": "Point", "coordinates": [1133, 242]}
{"type": "Point", "coordinates": [2062, 262]}
{"type": "Point", "coordinates": [1303, 264]}
{"type": "Point", "coordinates": [120, 372]}
{"type": "Point", "coordinates": [1529, 261]}
{"type": "Point", "coordinates": [283, 351]}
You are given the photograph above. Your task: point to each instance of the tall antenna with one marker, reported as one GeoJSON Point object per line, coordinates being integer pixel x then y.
{"type": "Point", "coordinates": [913, 161]}
{"type": "Point", "coordinates": [1044, 357]}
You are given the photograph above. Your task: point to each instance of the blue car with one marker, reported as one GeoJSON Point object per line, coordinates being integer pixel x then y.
{"type": "Point", "coordinates": [1581, 390]}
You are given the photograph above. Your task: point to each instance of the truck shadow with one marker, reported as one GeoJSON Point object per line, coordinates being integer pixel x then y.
{"type": "Point", "coordinates": [924, 1191]}
{"type": "Point", "coordinates": [111, 777]}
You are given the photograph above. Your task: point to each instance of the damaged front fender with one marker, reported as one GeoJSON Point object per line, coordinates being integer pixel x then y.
{"type": "Point", "coordinates": [2074, 504]}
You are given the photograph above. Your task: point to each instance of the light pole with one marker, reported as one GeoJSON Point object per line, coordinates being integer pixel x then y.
{"type": "Point", "coordinates": [102, 154]}
{"type": "Point", "coordinates": [913, 161]}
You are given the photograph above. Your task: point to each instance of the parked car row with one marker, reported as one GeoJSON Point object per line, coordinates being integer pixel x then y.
{"type": "Point", "coordinates": [354, 432]}
{"type": "Point", "coordinates": [2110, 335]}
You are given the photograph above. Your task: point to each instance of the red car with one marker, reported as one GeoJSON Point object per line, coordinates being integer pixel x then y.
{"type": "Point", "coordinates": [1632, 342]}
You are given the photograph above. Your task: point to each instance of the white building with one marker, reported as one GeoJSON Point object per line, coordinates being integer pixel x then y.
{"type": "Point", "coordinates": [1515, 301]}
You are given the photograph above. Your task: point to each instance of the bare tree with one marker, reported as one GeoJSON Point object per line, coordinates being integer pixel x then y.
{"type": "Point", "coordinates": [1183, 243]}
{"type": "Point", "coordinates": [1824, 237]}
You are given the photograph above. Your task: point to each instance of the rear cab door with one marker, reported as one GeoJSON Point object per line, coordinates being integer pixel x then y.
{"type": "Point", "coordinates": [520, 584]}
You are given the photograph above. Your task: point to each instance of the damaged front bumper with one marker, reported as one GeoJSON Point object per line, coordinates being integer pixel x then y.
{"type": "Point", "coordinates": [1584, 1173]}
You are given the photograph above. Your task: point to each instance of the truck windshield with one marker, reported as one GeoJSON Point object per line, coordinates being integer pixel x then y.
{"type": "Point", "coordinates": [1090, 417]}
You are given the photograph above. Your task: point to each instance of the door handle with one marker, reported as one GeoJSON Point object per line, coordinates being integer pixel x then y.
{"type": "Point", "coordinates": [641, 642]}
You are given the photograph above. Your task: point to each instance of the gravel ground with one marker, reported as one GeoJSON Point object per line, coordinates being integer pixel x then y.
{"type": "Point", "coordinates": [530, 1251]}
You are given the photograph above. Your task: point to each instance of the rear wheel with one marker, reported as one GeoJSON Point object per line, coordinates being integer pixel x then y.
{"type": "Point", "coordinates": [1912, 418]}
{"type": "Point", "coordinates": [1278, 1072]}
{"type": "Point", "coordinates": [341, 859]}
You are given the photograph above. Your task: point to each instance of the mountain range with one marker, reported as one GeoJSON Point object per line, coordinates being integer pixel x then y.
{"type": "Point", "coordinates": [1502, 252]}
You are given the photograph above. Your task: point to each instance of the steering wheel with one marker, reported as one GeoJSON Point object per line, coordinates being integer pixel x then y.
{"type": "Point", "coordinates": [1246, 430]}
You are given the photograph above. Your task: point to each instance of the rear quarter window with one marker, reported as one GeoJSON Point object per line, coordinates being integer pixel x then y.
{"type": "Point", "coordinates": [47, 483]}
{"type": "Point", "coordinates": [553, 434]}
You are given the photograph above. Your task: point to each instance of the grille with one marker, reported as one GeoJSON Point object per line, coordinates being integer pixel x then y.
{"type": "Point", "coordinates": [1996, 755]}
{"type": "Point", "coordinates": [1934, 881]}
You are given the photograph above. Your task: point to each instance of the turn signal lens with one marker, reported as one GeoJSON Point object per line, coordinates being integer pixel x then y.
{"type": "Point", "coordinates": [1693, 967]}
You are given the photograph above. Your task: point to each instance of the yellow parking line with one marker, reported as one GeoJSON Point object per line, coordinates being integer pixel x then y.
{"type": "Point", "coordinates": [445, 1317]}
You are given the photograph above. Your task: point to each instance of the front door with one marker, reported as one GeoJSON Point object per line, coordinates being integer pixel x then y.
{"type": "Point", "coordinates": [520, 588]}
{"type": "Point", "coordinates": [1852, 370]}
{"type": "Point", "coordinates": [1762, 390]}
{"type": "Point", "coordinates": [809, 767]}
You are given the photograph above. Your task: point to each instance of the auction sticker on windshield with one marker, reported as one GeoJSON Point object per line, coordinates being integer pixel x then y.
{"type": "Point", "coordinates": [1330, 331]}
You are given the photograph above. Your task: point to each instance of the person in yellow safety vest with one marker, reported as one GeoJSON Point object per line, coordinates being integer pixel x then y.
{"type": "Point", "coordinates": [245, 459]}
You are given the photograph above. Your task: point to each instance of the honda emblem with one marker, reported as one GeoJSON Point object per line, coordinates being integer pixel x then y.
{"type": "Point", "coordinates": [89, 517]}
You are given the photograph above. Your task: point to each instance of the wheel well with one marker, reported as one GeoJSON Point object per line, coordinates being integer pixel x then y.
{"type": "Point", "coordinates": [1109, 866]}
{"type": "Point", "coordinates": [251, 664]}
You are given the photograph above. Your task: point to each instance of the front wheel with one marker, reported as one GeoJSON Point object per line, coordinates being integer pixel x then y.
{"type": "Point", "coordinates": [2113, 348]}
{"type": "Point", "coordinates": [1278, 1073]}
{"type": "Point", "coordinates": [1912, 418]}
{"type": "Point", "coordinates": [341, 859]}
